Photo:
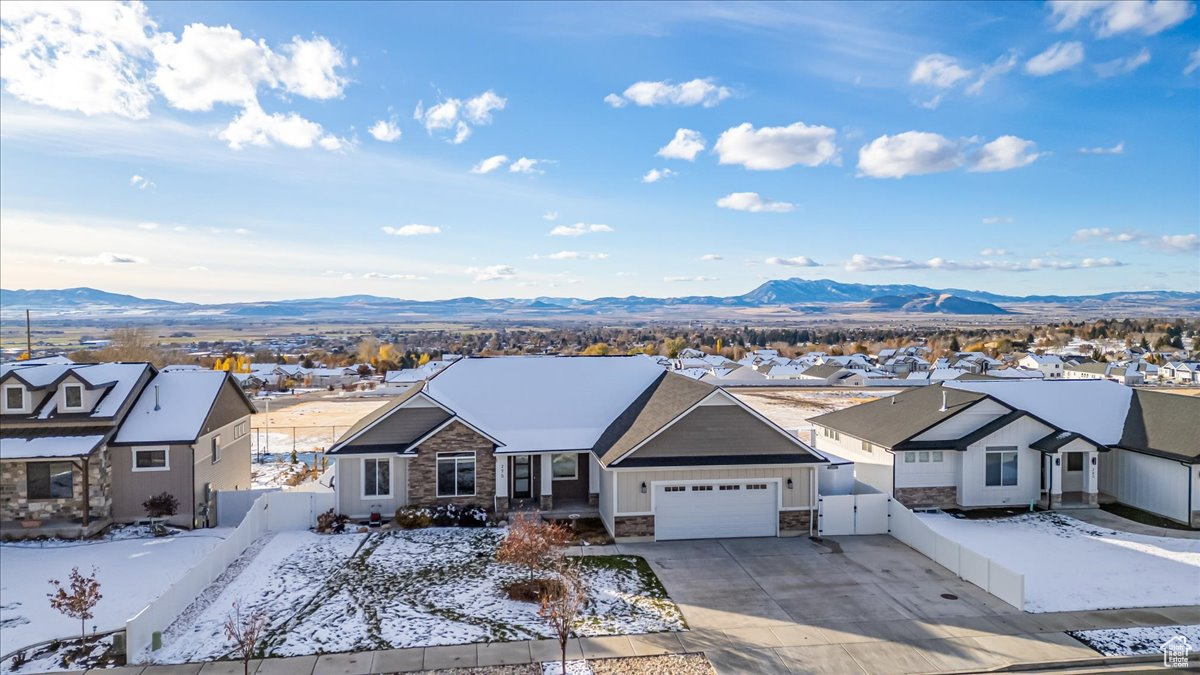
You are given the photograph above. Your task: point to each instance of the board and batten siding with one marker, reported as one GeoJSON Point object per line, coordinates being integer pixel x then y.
{"type": "Point", "coordinates": [232, 472]}
{"type": "Point", "coordinates": [965, 422]}
{"type": "Point", "coordinates": [349, 488]}
{"type": "Point", "coordinates": [631, 500]}
{"type": "Point", "coordinates": [607, 478]}
{"type": "Point", "coordinates": [975, 492]}
{"type": "Point", "coordinates": [1153, 484]}
{"type": "Point", "coordinates": [131, 488]}
{"type": "Point", "coordinates": [873, 466]}
{"type": "Point", "coordinates": [918, 474]}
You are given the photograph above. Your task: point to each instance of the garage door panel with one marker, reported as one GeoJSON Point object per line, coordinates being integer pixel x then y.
{"type": "Point", "coordinates": [721, 510]}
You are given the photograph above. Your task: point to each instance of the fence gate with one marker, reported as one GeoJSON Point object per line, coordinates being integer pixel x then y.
{"type": "Point", "coordinates": [852, 514]}
{"type": "Point", "coordinates": [232, 505]}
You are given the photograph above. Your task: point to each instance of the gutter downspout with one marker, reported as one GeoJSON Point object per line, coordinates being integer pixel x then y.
{"type": "Point", "coordinates": [812, 498]}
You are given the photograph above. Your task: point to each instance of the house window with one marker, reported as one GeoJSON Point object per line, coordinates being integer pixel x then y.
{"type": "Point", "coordinates": [1001, 467]}
{"type": "Point", "coordinates": [150, 459]}
{"type": "Point", "coordinates": [756, 486]}
{"type": "Point", "coordinates": [866, 446]}
{"type": "Point", "coordinates": [14, 398]}
{"type": "Point", "coordinates": [1074, 461]}
{"type": "Point", "coordinates": [701, 488]}
{"type": "Point", "coordinates": [910, 457]}
{"type": "Point", "coordinates": [73, 396]}
{"type": "Point", "coordinates": [565, 466]}
{"type": "Point", "coordinates": [675, 488]}
{"type": "Point", "coordinates": [731, 487]}
{"type": "Point", "coordinates": [216, 448]}
{"type": "Point", "coordinates": [239, 430]}
{"type": "Point", "coordinates": [377, 478]}
{"type": "Point", "coordinates": [50, 480]}
{"type": "Point", "coordinates": [455, 474]}
{"type": "Point", "coordinates": [923, 456]}
{"type": "Point", "coordinates": [936, 456]}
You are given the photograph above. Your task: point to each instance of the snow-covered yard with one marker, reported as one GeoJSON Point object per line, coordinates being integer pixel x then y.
{"type": "Point", "coordinates": [1072, 565]}
{"type": "Point", "coordinates": [1140, 640]}
{"type": "Point", "coordinates": [131, 571]}
{"type": "Point", "coordinates": [438, 586]}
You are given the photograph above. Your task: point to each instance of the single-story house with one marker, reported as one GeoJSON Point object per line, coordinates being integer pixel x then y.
{"type": "Point", "coordinates": [1059, 444]}
{"type": "Point", "coordinates": [655, 454]}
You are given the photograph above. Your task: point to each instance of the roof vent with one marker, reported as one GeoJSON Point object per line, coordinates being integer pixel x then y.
{"type": "Point", "coordinates": [943, 408]}
{"type": "Point", "coordinates": [893, 400]}
{"type": "Point", "coordinates": [156, 406]}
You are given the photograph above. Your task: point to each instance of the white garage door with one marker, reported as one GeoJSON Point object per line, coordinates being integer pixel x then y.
{"type": "Point", "coordinates": [715, 510]}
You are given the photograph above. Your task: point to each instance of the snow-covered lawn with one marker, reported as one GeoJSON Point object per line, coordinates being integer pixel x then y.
{"type": "Point", "coordinates": [1140, 640]}
{"type": "Point", "coordinates": [1072, 565]}
{"type": "Point", "coordinates": [438, 586]}
{"type": "Point", "coordinates": [131, 571]}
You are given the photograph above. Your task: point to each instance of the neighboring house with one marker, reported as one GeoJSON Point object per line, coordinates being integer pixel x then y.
{"type": "Point", "coordinates": [1050, 364]}
{"type": "Point", "coordinates": [1180, 372]}
{"type": "Point", "coordinates": [60, 468]}
{"type": "Point", "coordinates": [411, 376]}
{"type": "Point", "coordinates": [188, 434]}
{"type": "Point", "coordinates": [1059, 444]}
{"type": "Point", "coordinates": [1085, 371]}
{"type": "Point", "coordinates": [654, 454]}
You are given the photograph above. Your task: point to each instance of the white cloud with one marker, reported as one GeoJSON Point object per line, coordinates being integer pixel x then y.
{"type": "Point", "coordinates": [148, 226]}
{"type": "Point", "coordinates": [241, 231]}
{"type": "Point", "coordinates": [573, 255]}
{"type": "Point", "coordinates": [1000, 66]}
{"type": "Point", "coordinates": [1167, 243]}
{"type": "Point", "coordinates": [703, 92]}
{"type": "Point", "coordinates": [334, 143]}
{"type": "Point", "coordinates": [1004, 154]}
{"type": "Point", "coordinates": [253, 126]}
{"type": "Point", "coordinates": [1113, 17]}
{"type": "Point", "coordinates": [864, 263]}
{"type": "Point", "coordinates": [988, 252]}
{"type": "Point", "coordinates": [797, 261]}
{"type": "Point", "coordinates": [1193, 62]}
{"type": "Point", "coordinates": [1179, 243]}
{"type": "Point", "coordinates": [454, 114]}
{"type": "Point", "coordinates": [1122, 66]}
{"type": "Point", "coordinates": [655, 175]}
{"type": "Point", "coordinates": [711, 257]}
{"type": "Point", "coordinates": [908, 154]}
{"type": "Point", "coordinates": [771, 148]}
{"type": "Point", "coordinates": [490, 164]}
{"type": "Point", "coordinates": [1057, 57]}
{"type": "Point", "coordinates": [686, 144]}
{"type": "Point", "coordinates": [105, 258]}
{"type": "Point", "coordinates": [938, 70]}
{"type": "Point", "coordinates": [400, 277]}
{"type": "Point", "coordinates": [1118, 149]}
{"type": "Point", "coordinates": [686, 279]}
{"type": "Point", "coordinates": [386, 130]}
{"type": "Point", "coordinates": [411, 230]}
{"type": "Point", "coordinates": [1105, 234]}
{"type": "Point", "coordinates": [526, 165]}
{"type": "Point", "coordinates": [578, 229]}
{"type": "Point", "coordinates": [753, 202]}
{"type": "Point", "coordinates": [550, 215]}
{"type": "Point", "coordinates": [492, 272]}
{"type": "Point", "coordinates": [87, 57]}
{"type": "Point", "coordinates": [140, 182]}
{"type": "Point", "coordinates": [996, 220]}
{"type": "Point", "coordinates": [197, 268]}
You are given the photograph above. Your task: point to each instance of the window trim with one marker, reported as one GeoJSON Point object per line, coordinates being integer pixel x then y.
{"type": "Point", "coordinates": [24, 398]}
{"type": "Point", "coordinates": [575, 458]}
{"type": "Point", "coordinates": [151, 448]}
{"type": "Point", "coordinates": [362, 472]}
{"type": "Point", "coordinates": [215, 449]}
{"type": "Point", "coordinates": [72, 408]}
{"type": "Point", "coordinates": [1001, 451]}
{"type": "Point", "coordinates": [456, 457]}
{"type": "Point", "coordinates": [52, 498]}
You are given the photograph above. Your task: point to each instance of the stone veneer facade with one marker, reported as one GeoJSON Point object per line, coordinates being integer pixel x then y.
{"type": "Point", "coordinates": [15, 504]}
{"type": "Point", "coordinates": [794, 521]}
{"type": "Point", "coordinates": [422, 470]}
{"type": "Point", "coordinates": [927, 497]}
{"type": "Point", "coordinates": [633, 526]}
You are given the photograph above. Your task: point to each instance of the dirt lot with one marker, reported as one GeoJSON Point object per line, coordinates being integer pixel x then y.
{"type": "Point", "coordinates": [323, 413]}
{"type": "Point", "coordinates": [791, 408]}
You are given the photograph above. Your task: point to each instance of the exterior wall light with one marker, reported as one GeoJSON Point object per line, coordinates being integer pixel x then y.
{"type": "Point", "coordinates": [790, 485]}
{"type": "Point", "coordinates": [643, 487]}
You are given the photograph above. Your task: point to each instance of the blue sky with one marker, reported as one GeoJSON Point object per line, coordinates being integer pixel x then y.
{"type": "Point", "coordinates": [243, 151]}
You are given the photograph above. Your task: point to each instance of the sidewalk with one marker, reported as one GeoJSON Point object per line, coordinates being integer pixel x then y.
{"type": "Point", "coordinates": [965, 643]}
{"type": "Point", "coordinates": [1112, 521]}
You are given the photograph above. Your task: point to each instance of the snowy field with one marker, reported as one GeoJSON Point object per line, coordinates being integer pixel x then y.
{"type": "Point", "coordinates": [438, 586]}
{"type": "Point", "coordinates": [131, 571]}
{"type": "Point", "coordinates": [792, 408]}
{"type": "Point", "coordinates": [1131, 641]}
{"type": "Point", "coordinates": [1071, 565]}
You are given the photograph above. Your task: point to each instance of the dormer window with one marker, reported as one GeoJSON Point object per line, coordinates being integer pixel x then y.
{"type": "Point", "coordinates": [72, 397]}
{"type": "Point", "coordinates": [14, 398]}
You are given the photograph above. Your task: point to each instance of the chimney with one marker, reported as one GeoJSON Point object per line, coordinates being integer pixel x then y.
{"type": "Point", "coordinates": [943, 408]}
{"type": "Point", "coordinates": [156, 406]}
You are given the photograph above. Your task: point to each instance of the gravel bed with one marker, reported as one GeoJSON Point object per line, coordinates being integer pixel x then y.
{"type": "Point", "coordinates": [667, 664]}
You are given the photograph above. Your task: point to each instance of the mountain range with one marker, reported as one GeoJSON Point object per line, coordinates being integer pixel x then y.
{"type": "Point", "coordinates": [774, 299]}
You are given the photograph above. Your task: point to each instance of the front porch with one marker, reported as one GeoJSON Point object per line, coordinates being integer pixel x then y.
{"type": "Point", "coordinates": [557, 484]}
{"type": "Point", "coordinates": [1070, 477]}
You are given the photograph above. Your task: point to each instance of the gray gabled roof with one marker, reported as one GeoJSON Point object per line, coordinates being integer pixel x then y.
{"type": "Point", "coordinates": [1167, 425]}
{"type": "Point", "coordinates": [374, 416]}
{"type": "Point", "coordinates": [666, 398]}
{"type": "Point", "coordinates": [890, 421]}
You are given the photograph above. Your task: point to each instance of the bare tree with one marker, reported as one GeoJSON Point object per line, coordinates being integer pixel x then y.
{"type": "Point", "coordinates": [561, 606]}
{"type": "Point", "coordinates": [245, 632]}
{"type": "Point", "coordinates": [532, 543]}
{"type": "Point", "coordinates": [79, 600]}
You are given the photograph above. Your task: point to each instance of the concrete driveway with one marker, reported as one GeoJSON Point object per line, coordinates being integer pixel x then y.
{"type": "Point", "coordinates": [864, 604]}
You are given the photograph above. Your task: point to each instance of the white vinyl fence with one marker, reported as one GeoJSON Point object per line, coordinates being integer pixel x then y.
{"type": "Point", "coordinates": [270, 512]}
{"type": "Point", "coordinates": [233, 505]}
{"type": "Point", "coordinates": [978, 569]}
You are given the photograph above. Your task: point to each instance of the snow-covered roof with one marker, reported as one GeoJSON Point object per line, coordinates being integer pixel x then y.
{"type": "Point", "coordinates": [35, 375]}
{"type": "Point", "coordinates": [48, 446]}
{"type": "Point", "coordinates": [119, 378]}
{"type": "Point", "coordinates": [1094, 408]}
{"type": "Point", "coordinates": [184, 399]}
{"type": "Point", "coordinates": [1044, 359]}
{"type": "Point", "coordinates": [539, 403]}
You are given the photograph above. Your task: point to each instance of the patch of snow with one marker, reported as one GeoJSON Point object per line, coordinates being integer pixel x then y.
{"type": "Point", "coordinates": [574, 667]}
{"type": "Point", "coordinates": [1135, 641]}
{"type": "Point", "coordinates": [1071, 565]}
{"type": "Point", "coordinates": [172, 407]}
{"type": "Point", "coordinates": [48, 446]}
{"type": "Point", "coordinates": [1095, 408]}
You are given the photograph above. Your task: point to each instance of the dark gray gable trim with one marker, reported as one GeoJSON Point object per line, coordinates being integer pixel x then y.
{"type": "Point", "coordinates": [719, 460]}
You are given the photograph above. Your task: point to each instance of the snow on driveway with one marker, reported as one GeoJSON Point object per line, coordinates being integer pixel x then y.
{"type": "Point", "coordinates": [1071, 565]}
{"type": "Point", "coordinates": [132, 572]}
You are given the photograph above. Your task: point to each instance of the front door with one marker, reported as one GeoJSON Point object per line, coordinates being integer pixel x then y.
{"type": "Point", "coordinates": [522, 477]}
